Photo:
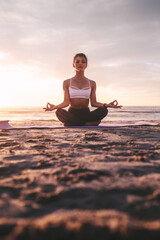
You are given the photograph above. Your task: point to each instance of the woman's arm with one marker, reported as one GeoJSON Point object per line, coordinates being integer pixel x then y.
{"type": "Point", "coordinates": [94, 102]}
{"type": "Point", "coordinates": [65, 102]}
{"type": "Point", "coordinates": [93, 99]}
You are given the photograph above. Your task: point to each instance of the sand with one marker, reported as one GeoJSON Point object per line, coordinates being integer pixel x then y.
{"type": "Point", "coordinates": [80, 184]}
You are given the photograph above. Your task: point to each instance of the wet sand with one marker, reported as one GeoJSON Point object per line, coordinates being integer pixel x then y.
{"type": "Point", "coordinates": [80, 184]}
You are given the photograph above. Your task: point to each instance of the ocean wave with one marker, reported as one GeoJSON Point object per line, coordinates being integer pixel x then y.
{"type": "Point", "coordinates": [139, 111]}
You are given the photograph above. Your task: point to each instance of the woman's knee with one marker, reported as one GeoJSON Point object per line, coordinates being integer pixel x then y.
{"type": "Point", "coordinates": [61, 114]}
{"type": "Point", "coordinates": [104, 111]}
{"type": "Point", "coordinates": [57, 111]}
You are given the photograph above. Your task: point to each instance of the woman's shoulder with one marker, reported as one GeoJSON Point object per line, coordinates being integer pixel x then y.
{"type": "Point", "coordinates": [66, 82]}
{"type": "Point", "coordinates": [92, 82]}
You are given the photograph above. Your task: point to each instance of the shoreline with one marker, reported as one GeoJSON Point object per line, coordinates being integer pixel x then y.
{"type": "Point", "coordinates": [55, 122]}
{"type": "Point", "coordinates": [80, 184]}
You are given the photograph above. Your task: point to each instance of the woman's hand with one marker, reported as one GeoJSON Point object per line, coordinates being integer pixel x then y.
{"type": "Point", "coordinates": [49, 107]}
{"type": "Point", "coordinates": [114, 104]}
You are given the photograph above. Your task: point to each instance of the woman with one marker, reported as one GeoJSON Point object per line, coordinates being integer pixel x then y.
{"type": "Point", "coordinates": [77, 92]}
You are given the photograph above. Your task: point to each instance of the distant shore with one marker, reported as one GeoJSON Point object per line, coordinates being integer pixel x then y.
{"type": "Point", "coordinates": [80, 184]}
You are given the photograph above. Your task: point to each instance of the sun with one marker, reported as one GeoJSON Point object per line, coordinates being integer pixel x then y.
{"type": "Point", "coordinates": [26, 86]}
{"type": "Point", "coordinates": [12, 80]}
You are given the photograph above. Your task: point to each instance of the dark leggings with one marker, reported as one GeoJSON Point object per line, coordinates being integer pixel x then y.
{"type": "Point", "coordinates": [79, 117]}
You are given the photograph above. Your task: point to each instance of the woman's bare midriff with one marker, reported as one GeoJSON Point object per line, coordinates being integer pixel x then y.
{"type": "Point", "coordinates": [79, 103]}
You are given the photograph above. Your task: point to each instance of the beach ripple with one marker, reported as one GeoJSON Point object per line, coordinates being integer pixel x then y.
{"type": "Point", "coordinates": [80, 184]}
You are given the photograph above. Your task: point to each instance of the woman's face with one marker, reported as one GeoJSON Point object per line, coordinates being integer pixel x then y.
{"type": "Point", "coordinates": [80, 64]}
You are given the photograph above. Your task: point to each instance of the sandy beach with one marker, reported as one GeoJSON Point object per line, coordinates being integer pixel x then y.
{"type": "Point", "coordinates": [80, 184]}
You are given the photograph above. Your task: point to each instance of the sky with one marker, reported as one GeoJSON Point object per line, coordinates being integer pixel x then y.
{"type": "Point", "coordinates": [38, 39]}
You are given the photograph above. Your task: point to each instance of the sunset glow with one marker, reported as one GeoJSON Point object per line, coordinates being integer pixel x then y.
{"type": "Point", "coordinates": [20, 87]}
{"type": "Point", "coordinates": [38, 42]}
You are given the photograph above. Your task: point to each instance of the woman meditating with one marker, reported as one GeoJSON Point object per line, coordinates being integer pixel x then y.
{"type": "Point", "coordinates": [78, 91]}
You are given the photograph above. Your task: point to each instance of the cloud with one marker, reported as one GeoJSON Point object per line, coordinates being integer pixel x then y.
{"type": "Point", "coordinates": [48, 33]}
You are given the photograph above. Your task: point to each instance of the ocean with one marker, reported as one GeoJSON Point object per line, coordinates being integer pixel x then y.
{"type": "Point", "coordinates": [27, 114]}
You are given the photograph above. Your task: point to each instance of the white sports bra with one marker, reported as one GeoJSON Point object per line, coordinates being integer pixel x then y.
{"type": "Point", "coordinates": [75, 92]}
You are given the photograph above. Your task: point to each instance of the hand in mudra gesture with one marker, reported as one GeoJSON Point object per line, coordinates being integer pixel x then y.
{"type": "Point", "coordinates": [114, 104]}
{"type": "Point", "coordinates": [49, 107]}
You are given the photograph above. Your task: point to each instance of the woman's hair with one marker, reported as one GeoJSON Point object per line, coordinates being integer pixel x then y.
{"type": "Point", "coordinates": [80, 55]}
